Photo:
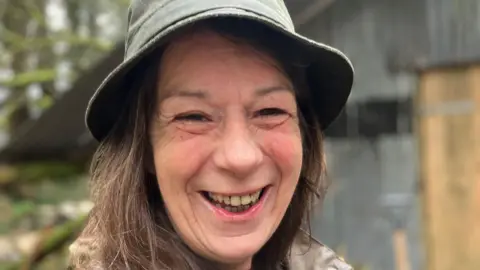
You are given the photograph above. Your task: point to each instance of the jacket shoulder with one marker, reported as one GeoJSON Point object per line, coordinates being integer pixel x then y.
{"type": "Point", "coordinates": [307, 253]}
{"type": "Point", "coordinates": [310, 254]}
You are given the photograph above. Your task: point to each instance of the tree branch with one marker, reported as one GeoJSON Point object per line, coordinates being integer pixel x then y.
{"type": "Point", "coordinates": [53, 240]}
{"type": "Point", "coordinates": [30, 77]}
{"type": "Point", "coordinates": [19, 43]}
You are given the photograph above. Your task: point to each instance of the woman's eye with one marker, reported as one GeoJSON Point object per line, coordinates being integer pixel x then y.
{"type": "Point", "coordinates": [270, 112]}
{"type": "Point", "coordinates": [192, 117]}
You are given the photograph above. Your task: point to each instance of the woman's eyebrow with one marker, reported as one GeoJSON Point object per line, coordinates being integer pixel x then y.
{"type": "Point", "coordinates": [271, 89]}
{"type": "Point", "coordinates": [199, 94]}
{"type": "Point", "coordinates": [202, 94]}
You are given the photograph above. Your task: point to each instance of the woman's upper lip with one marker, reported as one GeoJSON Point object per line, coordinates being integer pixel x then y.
{"type": "Point", "coordinates": [238, 193]}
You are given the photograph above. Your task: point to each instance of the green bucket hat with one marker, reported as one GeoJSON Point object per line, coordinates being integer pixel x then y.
{"type": "Point", "coordinates": [329, 72]}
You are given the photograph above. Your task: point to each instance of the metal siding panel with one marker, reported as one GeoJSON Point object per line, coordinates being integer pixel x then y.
{"type": "Point", "coordinates": [379, 39]}
{"type": "Point", "coordinates": [356, 192]}
{"type": "Point", "coordinates": [399, 176]}
{"type": "Point", "coordinates": [297, 6]}
{"type": "Point", "coordinates": [376, 37]}
{"type": "Point", "coordinates": [454, 31]}
{"type": "Point", "coordinates": [352, 214]}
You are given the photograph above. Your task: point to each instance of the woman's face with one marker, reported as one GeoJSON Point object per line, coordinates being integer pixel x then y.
{"type": "Point", "coordinates": [226, 145]}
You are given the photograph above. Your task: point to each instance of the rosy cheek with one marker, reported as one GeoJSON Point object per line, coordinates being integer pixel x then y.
{"type": "Point", "coordinates": [174, 153]}
{"type": "Point", "coordinates": [285, 149]}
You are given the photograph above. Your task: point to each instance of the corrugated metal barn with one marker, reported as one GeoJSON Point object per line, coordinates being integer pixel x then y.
{"type": "Point", "coordinates": [382, 171]}
{"type": "Point", "coordinates": [384, 204]}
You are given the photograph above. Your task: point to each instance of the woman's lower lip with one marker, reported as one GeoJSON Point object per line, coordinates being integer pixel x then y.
{"type": "Point", "coordinates": [246, 215]}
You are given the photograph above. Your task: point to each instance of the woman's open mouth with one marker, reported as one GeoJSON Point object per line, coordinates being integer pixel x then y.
{"type": "Point", "coordinates": [235, 203]}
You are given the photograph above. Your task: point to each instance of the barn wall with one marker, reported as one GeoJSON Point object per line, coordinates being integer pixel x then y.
{"type": "Point", "coordinates": [353, 218]}
{"type": "Point", "coordinates": [454, 31]}
{"type": "Point", "coordinates": [382, 43]}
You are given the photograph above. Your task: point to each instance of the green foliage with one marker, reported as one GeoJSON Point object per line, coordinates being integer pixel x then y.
{"type": "Point", "coordinates": [39, 171]}
{"type": "Point", "coordinates": [32, 48]}
{"type": "Point", "coordinates": [32, 52]}
{"type": "Point", "coordinates": [20, 210]}
{"type": "Point", "coordinates": [53, 240]}
{"type": "Point", "coordinates": [30, 77]}
{"type": "Point", "coordinates": [48, 170]}
{"type": "Point", "coordinates": [45, 102]}
{"type": "Point", "coordinates": [360, 267]}
{"type": "Point", "coordinates": [28, 43]}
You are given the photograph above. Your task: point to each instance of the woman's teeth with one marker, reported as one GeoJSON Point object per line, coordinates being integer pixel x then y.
{"type": "Point", "coordinates": [234, 203]}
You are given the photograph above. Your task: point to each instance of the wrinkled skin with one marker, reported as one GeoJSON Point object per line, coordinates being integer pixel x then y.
{"type": "Point", "coordinates": [226, 122]}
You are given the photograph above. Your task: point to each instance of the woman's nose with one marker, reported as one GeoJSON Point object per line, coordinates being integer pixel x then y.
{"type": "Point", "coordinates": [238, 152]}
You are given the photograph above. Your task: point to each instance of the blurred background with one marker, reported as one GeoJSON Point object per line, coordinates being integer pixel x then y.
{"type": "Point", "coordinates": [404, 157]}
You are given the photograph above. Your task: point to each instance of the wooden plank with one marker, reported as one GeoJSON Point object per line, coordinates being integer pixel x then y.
{"type": "Point", "coordinates": [449, 146]}
{"type": "Point", "coordinates": [475, 239]}
{"type": "Point", "coordinates": [400, 243]}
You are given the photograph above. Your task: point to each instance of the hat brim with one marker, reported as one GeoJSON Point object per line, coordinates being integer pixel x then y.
{"type": "Point", "coordinates": [329, 73]}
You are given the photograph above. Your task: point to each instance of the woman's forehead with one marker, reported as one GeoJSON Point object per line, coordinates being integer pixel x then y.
{"type": "Point", "coordinates": [208, 43]}
{"type": "Point", "coordinates": [206, 60]}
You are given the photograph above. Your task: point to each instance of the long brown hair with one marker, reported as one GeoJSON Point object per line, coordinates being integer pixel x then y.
{"type": "Point", "coordinates": [128, 228]}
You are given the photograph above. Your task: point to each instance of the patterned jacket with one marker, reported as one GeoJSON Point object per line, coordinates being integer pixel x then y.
{"type": "Point", "coordinates": [305, 255]}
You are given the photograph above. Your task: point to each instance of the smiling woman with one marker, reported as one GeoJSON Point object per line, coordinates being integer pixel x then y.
{"type": "Point", "coordinates": [211, 151]}
{"type": "Point", "coordinates": [216, 148]}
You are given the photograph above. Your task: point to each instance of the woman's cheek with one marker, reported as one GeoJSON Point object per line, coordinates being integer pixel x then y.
{"type": "Point", "coordinates": [179, 157]}
{"type": "Point", "coordinates": [285, 149]}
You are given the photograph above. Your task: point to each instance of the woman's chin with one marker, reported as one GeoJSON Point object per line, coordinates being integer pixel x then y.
{"type": "Point", "coordinates": [235, 250]}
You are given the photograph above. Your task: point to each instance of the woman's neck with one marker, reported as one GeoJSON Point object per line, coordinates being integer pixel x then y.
{"type": "Point", "coordinates": [247, 265]}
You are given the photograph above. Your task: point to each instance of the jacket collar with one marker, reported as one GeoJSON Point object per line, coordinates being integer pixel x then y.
{"type": "Point", "coordinates": [310, 254]}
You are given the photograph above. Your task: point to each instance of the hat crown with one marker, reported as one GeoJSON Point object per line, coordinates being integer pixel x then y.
{"type": "Point", "coordinates": [140, 8]}
{"type": "Point", "coordinates": [146, 18]}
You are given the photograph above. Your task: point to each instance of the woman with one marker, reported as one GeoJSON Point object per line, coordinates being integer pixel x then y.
{"type": "Point", "coordinates": [210, 151]}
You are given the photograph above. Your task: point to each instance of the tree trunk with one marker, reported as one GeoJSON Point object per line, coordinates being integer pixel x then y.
{"type": "Point", "coordinates": [14, 22]}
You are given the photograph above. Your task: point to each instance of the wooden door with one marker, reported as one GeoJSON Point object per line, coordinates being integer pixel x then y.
{"type": "Point", "coordinates": [448, 127]}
